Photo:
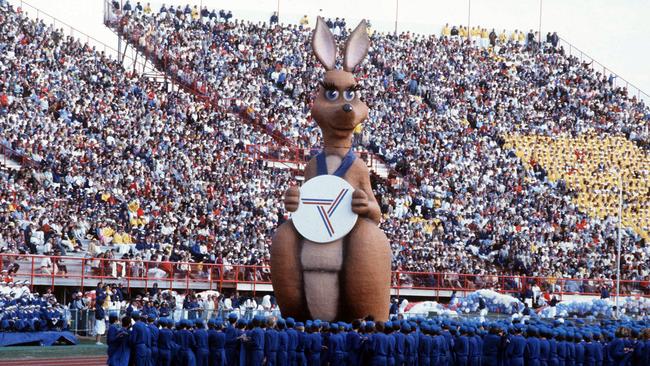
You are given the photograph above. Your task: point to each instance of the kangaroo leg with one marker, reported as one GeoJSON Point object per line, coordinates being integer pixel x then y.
{"type": "Point", "coordinates": [286, 272]}
{"type": "Point", "coordinates": [366, 273]}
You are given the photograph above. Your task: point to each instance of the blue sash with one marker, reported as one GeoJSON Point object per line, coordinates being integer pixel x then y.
{"type": "Point", "coordinates": [321, 164]}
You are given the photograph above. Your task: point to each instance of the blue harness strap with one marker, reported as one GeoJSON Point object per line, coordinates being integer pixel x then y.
{"type": "Point", "coordinates": [321, 164]}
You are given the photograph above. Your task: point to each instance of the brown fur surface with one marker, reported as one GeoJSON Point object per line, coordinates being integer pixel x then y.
{"type": "Point", "coordinates": [351, 278]}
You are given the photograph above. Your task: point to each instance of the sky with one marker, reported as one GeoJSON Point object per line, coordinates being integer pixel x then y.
{"type": "Point", "coordinates": [614, 33]}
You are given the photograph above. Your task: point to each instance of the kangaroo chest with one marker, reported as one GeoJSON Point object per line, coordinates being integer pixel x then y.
{"type": "Point", "coordinates": [323, 257]}
{"type": "Point", "coordinates": [321, 263]}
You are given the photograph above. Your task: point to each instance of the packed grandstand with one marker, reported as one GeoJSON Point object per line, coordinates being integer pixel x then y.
{"type": "Point", "coordinates": [497, 158]}
{"type": "Point", "coordinates": [118, 168]}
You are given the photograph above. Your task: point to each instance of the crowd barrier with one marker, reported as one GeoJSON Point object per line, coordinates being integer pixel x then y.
{"type": "Point", "coordinates": [86, 272]}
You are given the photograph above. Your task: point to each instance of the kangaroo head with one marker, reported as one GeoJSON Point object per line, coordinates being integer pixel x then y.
{"type": "Point", "coordinates": [337, 108]}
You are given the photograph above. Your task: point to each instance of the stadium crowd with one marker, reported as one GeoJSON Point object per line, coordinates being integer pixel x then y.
{"type": "Point", "coordinates": [123, 170]}
{"type": "Point", "coordinates": [438, 118]}
{"type": "Point", "coordinates": [126, 170]}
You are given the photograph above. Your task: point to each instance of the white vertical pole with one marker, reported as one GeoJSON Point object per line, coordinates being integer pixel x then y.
{"type": "Point", "coordinates": [618, 242]}
{"type": "Point", "coordinates": [539, 31]}
{"type": "Point", "coordinates": [396, 14]}
{"type": "Point", "coordinates": [469, 14]}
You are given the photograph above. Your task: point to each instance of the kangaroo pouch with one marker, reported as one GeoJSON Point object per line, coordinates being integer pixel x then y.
{"type": "Point", "coordinates": [321, 264]}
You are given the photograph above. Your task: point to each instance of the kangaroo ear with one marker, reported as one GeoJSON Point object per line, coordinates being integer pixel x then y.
{"type": "Point", "coordinates": [323, 44]}
{"type": "Point", "coordinates": [356, 47]}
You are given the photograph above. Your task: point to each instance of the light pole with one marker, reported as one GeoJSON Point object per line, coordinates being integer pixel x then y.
{"type": "Point", "coordinates": [396, 14]}
{"type": "Point", "coordinates": [539, 30]}
{"type": "Point", "coordinates": [618, 241]}
{"type": "Point", "coordinates": [469, 15]}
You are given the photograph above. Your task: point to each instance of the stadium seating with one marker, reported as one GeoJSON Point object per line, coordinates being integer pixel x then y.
{"type": "Point", "coordinates": [432, 122]}
{"type": "Point", "coordinates": [129, 170]}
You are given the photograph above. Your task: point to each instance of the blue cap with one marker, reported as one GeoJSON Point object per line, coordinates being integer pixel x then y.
{"type": "Point", "coordinates": [369, 325]}
{"type": "Point", "coordinates": [232, 316]}
{"type": "Point", "coordinates": [291, 322]}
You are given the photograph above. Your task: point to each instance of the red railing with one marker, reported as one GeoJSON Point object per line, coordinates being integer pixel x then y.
{"type": "Point", "coordinates": [21, 158]}
{"type": "Point", "coordinates": [84, 272]}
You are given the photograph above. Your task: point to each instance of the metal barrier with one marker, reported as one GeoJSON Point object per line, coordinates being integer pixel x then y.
{"type": "Point", "coordinates": [618, 81]}
{"type": "Point", "coordinates": [87, 272]}
{"type": "Point", "coordinates": [21, 158]}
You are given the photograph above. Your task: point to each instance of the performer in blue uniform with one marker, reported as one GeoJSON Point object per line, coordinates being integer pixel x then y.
{"type": "Point", "coordinates": [271, 343]}
{"type": "Point", "coordinates": [255, 343]}
{"type": "Point", "coordinates": [232, 343]}
{"type": "Point", "coordinates": [475, 347]}
{"type": "Point", "coordinates": [283, 344]}
{"type": "Point", "coordinates": [186, 344]}
{"type": "Point", "coordinates": [301, 346]}
{"type": "Point", "coordinates": [544, 347]}
{"type": "Point", "coordinates": [388, 330]}
{"type": "Point", "coordinates": [353, 344]}
{"type": "Point", "coordinates": [216, 343]}
{"type": "Point", "coordinates": [531, 352]}
{"type": "Point", "coordinates": [117, 339]}
{"type": "Point", "coordinates": [292, 341]}
{"type": "Point", "coordinates": [165, 340]}
{"type": "Point", "coordinates": [153, 329]}
{"type": "Point", "coordinates": [461, 347]}
{"type": "Point", "coordinates": [410, 349]}
{"type": "Point", "coordinates": [425, 346]}
{"type": "Point", "coordinates": [516, 348]}
{"type": "Point", "coordinates": [313, 345]}
{"type": "Point", "coordinates": [619, 349]}
{"type": "Point", "coordinates": [336, 346]}
{"type": "Point", "coordinates": [579, 349]}
{"type": "Point", "coordinates": [491, 345]}
{"type": "Point", "coordinates": [140, 341]}
{"type": "Point", "coordinates": [201, 349]}
{"type": "Point", "coordinates": [379, 346]}
{"type": "Point", "coordinates": [400, 344]}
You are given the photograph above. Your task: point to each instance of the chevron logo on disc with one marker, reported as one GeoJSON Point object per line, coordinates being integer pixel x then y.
{"type": "Point", "coordinates": [325, 210]}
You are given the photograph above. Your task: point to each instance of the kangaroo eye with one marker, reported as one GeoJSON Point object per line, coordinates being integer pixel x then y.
{"type": "Point", "coordinates": [349, 95]}
{"type": "Point", "coordinates": [331, 94]}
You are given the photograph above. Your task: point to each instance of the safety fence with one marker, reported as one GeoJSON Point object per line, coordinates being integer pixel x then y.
{"type": "Point", "coordinates": [19, 157]}
{"type": "Point", "coordinates": [87, 272]}
{"type": "Point", "coordinates": [631, 89]}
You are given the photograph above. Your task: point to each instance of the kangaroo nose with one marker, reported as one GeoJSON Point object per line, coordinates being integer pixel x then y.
{"type": "Point", "coordinates": [347, 107]}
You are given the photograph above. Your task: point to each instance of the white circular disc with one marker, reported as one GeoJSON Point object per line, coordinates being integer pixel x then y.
{"type": "Point", "coordinates": [325, 210]}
